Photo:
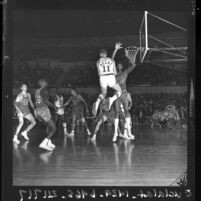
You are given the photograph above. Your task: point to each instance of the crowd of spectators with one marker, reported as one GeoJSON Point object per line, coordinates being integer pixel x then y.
{"type": "Point", "coordinates": [31, 75]}
{"type": "Point", "coordinates": [145, 105]}
{"type": "Point", "coordinates": [87, 76]}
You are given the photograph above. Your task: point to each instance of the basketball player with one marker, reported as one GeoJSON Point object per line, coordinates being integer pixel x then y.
{"type": "Point", "coordinates": [77, 101]}
{"type": "Point", "coordinates": [106, 115]}
{"type": "Point", "coordinates": [59, 112]}
{"type": "Point", "coordinates": [129, 105]}
{"type": "Point", "coordinates": [42, 112]}
{"type": "Point", "coordinates": [21, 104]}
{"type": "Point", "coordinates": [107, 72]}
{"type": "Point", "coordinates": [121, 80]}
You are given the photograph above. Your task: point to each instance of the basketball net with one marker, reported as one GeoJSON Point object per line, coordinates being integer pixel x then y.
{"type": "Point", "coordinates": [131, 52]}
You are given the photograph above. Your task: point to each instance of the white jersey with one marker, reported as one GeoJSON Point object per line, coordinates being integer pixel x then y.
{"type": "Point", "coordinates": [106, 66]}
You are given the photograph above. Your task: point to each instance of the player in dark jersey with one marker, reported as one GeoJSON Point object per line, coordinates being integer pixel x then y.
{"type": "Point", "coordinates": [21, 104]}
{"type": "Point", "coordinates": [108, 115]}
{"type": "Point", "coordinates": [59, 112]}
{"type": "Point", "coordinates": [121, 79]}
{"type": "Point", "coordinates": [78, 110]}
{"type": "Point", "coordinates": [126, 135]}
{"type": "Point", "coordinates": [42, 112]}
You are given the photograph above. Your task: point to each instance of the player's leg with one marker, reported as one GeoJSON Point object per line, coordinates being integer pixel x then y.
{"type": "Point", "coordinates": [127, 116]}
{"type": "Point", "coordinates": [52, 130]}
{"type": "Point", "coordinates": [99, 123]}
{"type": "Point", "coordinates": [85, 124]}
{"type": "Point", "coordinates": [33, 123]}
{"type": "Point", "coordinates": [103, 85]}
{"type": "Point", "coordinates": [116, 120]}
{"type": "Point", "coordinates": [64, 124]}
{"type": "Point", "coordinates": [74, 117]}
{"type": "Point", "coordinates": [44, 114]}
{"type": "Point", "coordinates": [21, 122]}
{"type": "Point", "coordinates": [114, 85]}
{"type": "Point", "coordinates": [123, 122]}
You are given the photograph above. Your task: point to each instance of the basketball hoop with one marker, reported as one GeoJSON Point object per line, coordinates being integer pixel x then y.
{"type": "Point", "coordinates": [131, 52]}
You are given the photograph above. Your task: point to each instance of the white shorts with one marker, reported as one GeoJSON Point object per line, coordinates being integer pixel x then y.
{"type": "Point", "coordinates": [109, 81]}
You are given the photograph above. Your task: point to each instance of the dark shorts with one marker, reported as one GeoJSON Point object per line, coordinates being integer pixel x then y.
{"type": "Point", "coordinates": [43, 113]}
{"type": "Point", "coordinates": [78, 112]}
{"type": "Point", "coordinates": [58, 116]}
{"type": "Point", "coordinates": [24, 111]}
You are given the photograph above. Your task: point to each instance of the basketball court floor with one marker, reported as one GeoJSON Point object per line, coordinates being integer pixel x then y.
{"type": "Point", "coordinates": [157, 157]}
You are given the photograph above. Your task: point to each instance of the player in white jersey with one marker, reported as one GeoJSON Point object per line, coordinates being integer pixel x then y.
{"type": "Point", "coordinates": [107, 75]}
{"type": "Point", "coordinates": [59, 110]}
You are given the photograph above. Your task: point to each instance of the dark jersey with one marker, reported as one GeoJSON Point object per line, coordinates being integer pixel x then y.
{"type": "Point", "coordinates": [40, 96]}
{"type": "Point", "coordinates": [77, 106]}
{"type": "Point", "coordinates": [121, 79]}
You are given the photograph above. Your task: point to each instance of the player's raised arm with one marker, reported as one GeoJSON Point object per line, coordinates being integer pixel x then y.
{"type": "Point", "coordinates": [117, 47]}
{"type": "Point", "coordinates": [133, 65]}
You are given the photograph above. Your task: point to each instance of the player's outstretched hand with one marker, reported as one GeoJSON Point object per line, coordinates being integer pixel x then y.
{"type": "Point", "coordinates": [118, 46]}
{"type": "Point", "coordinates": [126, 52]}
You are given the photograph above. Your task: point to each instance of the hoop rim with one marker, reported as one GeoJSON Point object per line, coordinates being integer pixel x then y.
{"type": "Point", "coordinates": [132, 48]}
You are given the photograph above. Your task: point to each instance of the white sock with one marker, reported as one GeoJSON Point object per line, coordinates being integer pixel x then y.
{"type": "Point", "coordinates": [128, 125]}
{"type": "Point", "coordinates": [116, 125]}
{"type": "Point", "coordinates": [98, 102]}
{"type": "Point", "coordinates": [64, 126]}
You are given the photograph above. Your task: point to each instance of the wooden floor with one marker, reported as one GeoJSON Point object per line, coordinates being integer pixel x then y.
{"type": "Point", "coordinates": [157, 157]}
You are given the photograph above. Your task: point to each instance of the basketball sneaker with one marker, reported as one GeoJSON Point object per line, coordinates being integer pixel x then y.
{"type": "Point", "coordinates": [24, 134]}
{"type": "Point", "coordinates": [72, 133]}
{"type": "Point", "coordinates": [125, 135]}
{"type": "Point", "coordinates": [25, 145]}
{"type": "Point", "coordinates": [66, 133]}
{"type": "Point", "coordinates": [94, 137]}
{"type": "Point", "coordinates": [15, 139]}
{"type": "Point", "coordinates": [44, 145]}
{"type": "Point", "coordinates": [114, 139]}
{"type": "Point", "coordinates": [50, 144]}
{"type": "Point", "coordinates": [132, 137]}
